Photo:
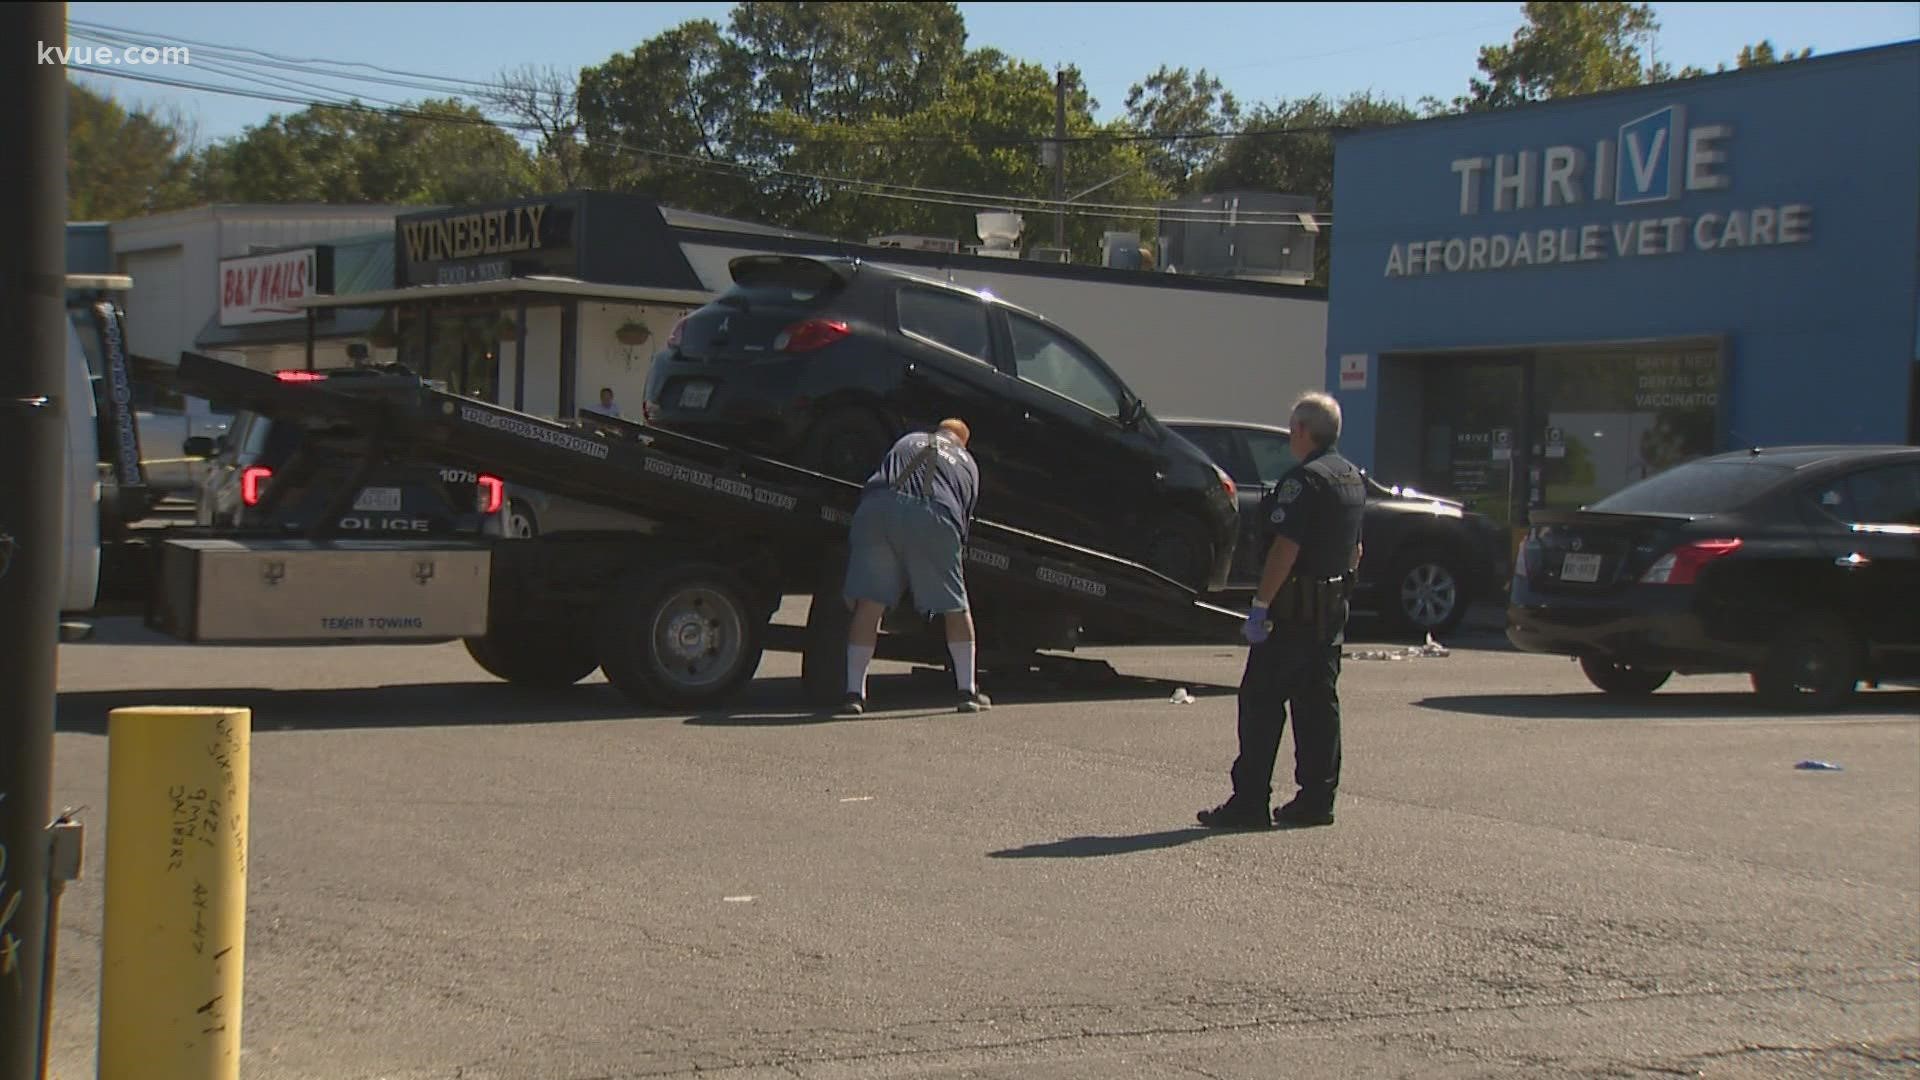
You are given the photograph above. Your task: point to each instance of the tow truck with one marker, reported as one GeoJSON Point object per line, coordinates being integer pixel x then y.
{"type": "Point", "coordinates": [677, 614]}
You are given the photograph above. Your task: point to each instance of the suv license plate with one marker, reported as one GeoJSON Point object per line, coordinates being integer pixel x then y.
{"type": "Point", "coordinates": [696, 395]}
{"type": "Point", "coordinates": [1580, 568]}
{"type": "Point", "coordinates": [378, 498]}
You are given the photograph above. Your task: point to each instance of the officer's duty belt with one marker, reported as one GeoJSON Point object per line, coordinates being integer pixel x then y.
{"type": "Point", "coordinates": [1308, 601]}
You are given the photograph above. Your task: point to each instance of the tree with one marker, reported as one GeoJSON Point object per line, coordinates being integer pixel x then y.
{"type": "Point", "coordinates": [1757, 55]}
{"type": "Point", "coordinates": [545, 102]}
{"type": "Point", "coordinates": [123, 163]}
{"type": "Point", "coordinates": [846, 62]}
{"type": "Point", "coordinates": [1176, 101]}
{"type": "Point", "coordinates": [1299, 164]}
{"type": "Point", "coordinates": [439, 152]}
{"type": "Point", "coordinates": [1564, 49]}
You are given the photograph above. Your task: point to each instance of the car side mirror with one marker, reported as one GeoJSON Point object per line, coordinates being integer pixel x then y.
{"type": "Point", "coordinates": [200, 446]}
{"type": "Point", "coordinates": [1132, 411]}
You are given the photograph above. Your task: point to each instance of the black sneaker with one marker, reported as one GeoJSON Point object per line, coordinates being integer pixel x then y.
{"type": "Point", "coordinates": [975, 702]}
{"type": "Point", "coordinates": [1228, 815]}
{"type": "Point", "coordinates": [1295, 816]}
{"type": "Point", "coordinates": [854, 705]}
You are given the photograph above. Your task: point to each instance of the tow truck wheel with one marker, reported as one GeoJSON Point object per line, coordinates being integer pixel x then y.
{"type": "Point", "coordinates": [683, 635]}
{"type": "Point", "coordinates": [533, 654]}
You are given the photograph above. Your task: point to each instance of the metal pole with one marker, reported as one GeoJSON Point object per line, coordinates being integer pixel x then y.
{"type": "Point", "coordinates": [33, 413]}
{"type": "Point", "coordinates": [1060, 157]}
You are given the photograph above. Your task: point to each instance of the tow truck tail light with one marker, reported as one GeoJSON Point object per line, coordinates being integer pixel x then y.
{"type": "Point", "coordinates": [251, 478]}
{"type": "Point", "coordinates": [1683, 564]}
{"type": "Point", "coordinates": [810, 335]}
{"type": "Point", "coordinates": [300, 376]}
{"type": "Point", "coordinates": [489, 494]}
{"type": "Point", "coordinates": [678, 332]}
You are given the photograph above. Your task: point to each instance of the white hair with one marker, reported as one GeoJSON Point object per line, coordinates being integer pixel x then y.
{"type": "Point", "coordinates": [1319, 415]}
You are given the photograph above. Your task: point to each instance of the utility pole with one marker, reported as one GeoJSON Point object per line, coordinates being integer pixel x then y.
{"type": "Point", "coordinates": [1060, 158]}
{"type": "Point", "coordinates": [32, 412]}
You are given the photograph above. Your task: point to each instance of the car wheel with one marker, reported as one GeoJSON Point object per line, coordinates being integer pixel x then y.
{"type": "Point", "coordinates": [1813, 665]}
{"type": "Point", "coordinates": [521, 522]}
{"type": "Point", "coordinates": [847, 444]}
{"type": "Point", "coordinates": [686, 634]}
{"type": "Point", "coordinates": [533, 654]}
{"type": "Point", "coordinates": [1623, 680]}
{"type": "Point", "coordinates": [1179, 549]}
{"type": "Point", "coordinates": [1427, 593]}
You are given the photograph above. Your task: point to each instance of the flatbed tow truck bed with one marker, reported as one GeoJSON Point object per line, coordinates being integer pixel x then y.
{"type": "Point", "coordinates": [677, 615]}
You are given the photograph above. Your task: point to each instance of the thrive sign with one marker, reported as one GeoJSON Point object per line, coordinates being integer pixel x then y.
{"type": "Point", "coordinates": [1654, 160]}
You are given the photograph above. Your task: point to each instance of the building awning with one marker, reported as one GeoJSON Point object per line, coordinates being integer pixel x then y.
{"type": "Point", "coordinates": [545, 286]}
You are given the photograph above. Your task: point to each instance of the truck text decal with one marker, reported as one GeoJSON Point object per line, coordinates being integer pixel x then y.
{"type": "Point", "coordinates": [1070, 581]}
{"type": "Point", "coordinates": [372, 622]}
{"type": "Point", "coordinates": [535, 432]}
{"type": "Point", "coordinates": [740, 489]}
{"type": "Point", "coordinates": [988, 558]}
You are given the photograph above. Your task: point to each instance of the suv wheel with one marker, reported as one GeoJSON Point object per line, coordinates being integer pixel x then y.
{"type": "Point", "coordinates": [1623, 680]}
{"type": "Point", "coordinates": [1814, 664]}
{"type": "Point", "coordinates": [1427, 592]}
{"type": "Point", "coordinates": [1179, 550]}
{"type": "Point", "coordinates": [847, 444]}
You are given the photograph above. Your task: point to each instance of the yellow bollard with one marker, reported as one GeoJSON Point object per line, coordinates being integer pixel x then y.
{"type": "Point", "coordinates": [176, 893]}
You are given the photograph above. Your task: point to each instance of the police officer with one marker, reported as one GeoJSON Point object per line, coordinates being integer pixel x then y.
{"type": "Point", "coordinates": [1312, 532]}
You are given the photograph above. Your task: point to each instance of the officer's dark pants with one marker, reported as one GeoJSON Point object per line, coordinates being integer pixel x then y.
{"type": "Point", "coordinates": [1298, 668]}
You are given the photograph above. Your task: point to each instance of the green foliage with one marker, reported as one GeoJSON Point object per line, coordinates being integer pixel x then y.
{"type": "Point", "coordinates": [123, 163]}
{"type": "Point", "coordinates": [448, 154]}
{"type": "Point", "coordinates": [1176, 101]}
{"type": "Point", "coordinates": [1564, 49]}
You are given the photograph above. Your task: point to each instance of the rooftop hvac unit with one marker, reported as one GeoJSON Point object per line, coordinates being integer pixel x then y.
{"type": "Point", "coordinates": [1042, 253]}
{"type": "Point", "coordinates": [910, 242]}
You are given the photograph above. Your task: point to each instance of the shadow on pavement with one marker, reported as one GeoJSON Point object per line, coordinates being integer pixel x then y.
{"type": "Point", "coordinates": [415, 705]}
{"type": "Point", "coordinates": [927, 693]}
{"type": "Point", "coordinates": [1672, 706]}
{"type": "Point", "coordinates": [1089, 847]}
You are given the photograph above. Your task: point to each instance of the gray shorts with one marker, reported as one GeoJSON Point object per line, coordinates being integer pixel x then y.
{"type": "Point", "coordinates": [900, 542]}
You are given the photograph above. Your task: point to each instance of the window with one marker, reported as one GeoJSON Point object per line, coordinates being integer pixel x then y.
{"type": "Point", "coordinates": [1046, 359]}
{"type": "Point", "coordinates": [1888, 495]}
{"type": "Point", "coordinates": [1272, 457]}
{"type": "Point", "coordinates": [1217, 443]}
{"type": "Point", "coordinates": [957, 322]}
{"type": "Point", "coordinates": [1696, 488]}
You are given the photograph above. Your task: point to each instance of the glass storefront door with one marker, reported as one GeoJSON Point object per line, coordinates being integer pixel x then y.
{"type": "Point", "coordinates": [459, 349]}
{"type": "Point", "coordinates": [1561, 428]}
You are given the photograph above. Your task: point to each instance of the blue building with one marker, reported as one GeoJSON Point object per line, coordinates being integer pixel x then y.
{"type": "Point", "coordinates": [1534, 307]}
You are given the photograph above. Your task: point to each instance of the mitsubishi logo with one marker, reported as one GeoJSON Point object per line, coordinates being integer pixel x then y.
{"type": "Point", "coordinates": [1577, 544]}
{"type": "Point", "coordinates": [720, 332]}
{"type": "Point", "coordinates": [273, 573]}
{"type": "Point", "coordinates": [423, 571]}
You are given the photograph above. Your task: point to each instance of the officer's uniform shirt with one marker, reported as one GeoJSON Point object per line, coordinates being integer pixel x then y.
{"type": "Point", "coordinates": [1319, 505]}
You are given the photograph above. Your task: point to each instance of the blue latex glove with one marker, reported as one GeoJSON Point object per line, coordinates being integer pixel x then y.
{"type": "Point", "coordinates": [1255, 628]}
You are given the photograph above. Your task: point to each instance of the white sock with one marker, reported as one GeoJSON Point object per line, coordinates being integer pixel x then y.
{"type": "Point", "coordinates": [858, 656]}
{"type": "Point", "coordinates": [962, 652]}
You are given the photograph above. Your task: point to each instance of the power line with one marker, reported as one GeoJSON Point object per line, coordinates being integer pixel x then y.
{"type": "Point", "coordinates": [905, 192]}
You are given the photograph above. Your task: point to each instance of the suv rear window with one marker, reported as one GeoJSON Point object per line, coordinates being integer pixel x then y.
{"type": "Point", "coordinates": [1701, 487]}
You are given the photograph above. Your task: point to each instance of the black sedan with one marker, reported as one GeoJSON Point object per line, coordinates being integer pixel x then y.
{"type": "Point", "coordinates": [1425, 558]}
{"type": "Point", "coordinates": [1798, 565]}
{"type": "Point", "coordinates": [825, 362]}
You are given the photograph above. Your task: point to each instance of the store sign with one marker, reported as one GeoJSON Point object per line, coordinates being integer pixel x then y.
{"type": "Point", "coordinates": [466, 247]}
{"type": "Point", "coordinates": [466, 236]}
{"type": "Point", "coordinates": [264, 288]}
{"type": "Point", "coordinates": [1655, 159]}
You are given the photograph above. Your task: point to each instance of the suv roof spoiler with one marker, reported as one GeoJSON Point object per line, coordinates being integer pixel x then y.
{"type": "Point", "coordinates": [797, 269]}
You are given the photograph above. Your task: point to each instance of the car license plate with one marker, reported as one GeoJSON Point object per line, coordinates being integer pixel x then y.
{"type": "Point", "coordinates": [378, 498]}
{"type": "Point", "coordinates": [1580, 568]}
{"type": "Point", "coordinates": [695, 395]}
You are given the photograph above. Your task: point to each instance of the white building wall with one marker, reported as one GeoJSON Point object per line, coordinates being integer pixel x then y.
{"type": "Point", "coordinates": [1186, 352]}
{"type": "Point", "coordinates": [543, 363]}
{"type": "Point", "coordinates": [604, 361]}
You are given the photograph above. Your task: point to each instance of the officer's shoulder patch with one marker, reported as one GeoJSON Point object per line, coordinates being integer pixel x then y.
{"type": "Point", "coordinates": [1278, 516]}
{"type": "Point", "coordinates": [1290, 491]}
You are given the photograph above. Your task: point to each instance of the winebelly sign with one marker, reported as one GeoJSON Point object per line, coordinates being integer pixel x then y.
{"type": "Point", "coordinates": [264, 288]}
{"type": "Point", "coordinates": [1657, 159]}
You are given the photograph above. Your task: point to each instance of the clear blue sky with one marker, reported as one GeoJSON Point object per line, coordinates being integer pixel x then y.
{"type": "Point", "coordinates": [1263, 51]}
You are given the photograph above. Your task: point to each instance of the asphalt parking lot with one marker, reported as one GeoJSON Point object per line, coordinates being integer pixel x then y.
{"type": "Point", "coordinates": [452, 878]}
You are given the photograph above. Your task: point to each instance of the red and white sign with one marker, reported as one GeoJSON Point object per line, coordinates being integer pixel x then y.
{"type": "Point", "coordinates": [1353, 371]}
{"type": "Point", "coordinates": [263, 288]}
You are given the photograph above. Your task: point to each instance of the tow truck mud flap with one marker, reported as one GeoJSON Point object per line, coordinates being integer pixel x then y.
{"type": "Point", "coordinates": [285, 592]}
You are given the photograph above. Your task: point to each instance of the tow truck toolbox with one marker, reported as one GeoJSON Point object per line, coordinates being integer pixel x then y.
{"type": "Point", "coordinates": [218, 590]}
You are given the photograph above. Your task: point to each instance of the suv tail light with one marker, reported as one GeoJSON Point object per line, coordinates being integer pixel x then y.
{"type": "Point", "coordinates": [1226, 482]}
{"type": "Point", "coordinates": [1683, 564]}
{"type": "Point", "coordinates": [251, 478]}
{"type": "Point", "coordinates": [810, 335]}
{"type": "Point", "coordinates": [300, 376]}
{"type": "Point", "coordinates": [678, 333]}
{"type": "Point", "coordinates": [489, 493]}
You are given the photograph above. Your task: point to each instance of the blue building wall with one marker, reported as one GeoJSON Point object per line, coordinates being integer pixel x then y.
{"type": "Point", "coordinates": [1821, 333]}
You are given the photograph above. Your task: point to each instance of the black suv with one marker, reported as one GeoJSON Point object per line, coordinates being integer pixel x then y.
{"type": "Point", "coordinates": [1424, 560]}
{"type": "Point", "coordinates": [825, 362]}
{"type": "Point", "coordinates": [258, 454]}
{"type": "Point", "coordinates": [1799, 565]}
